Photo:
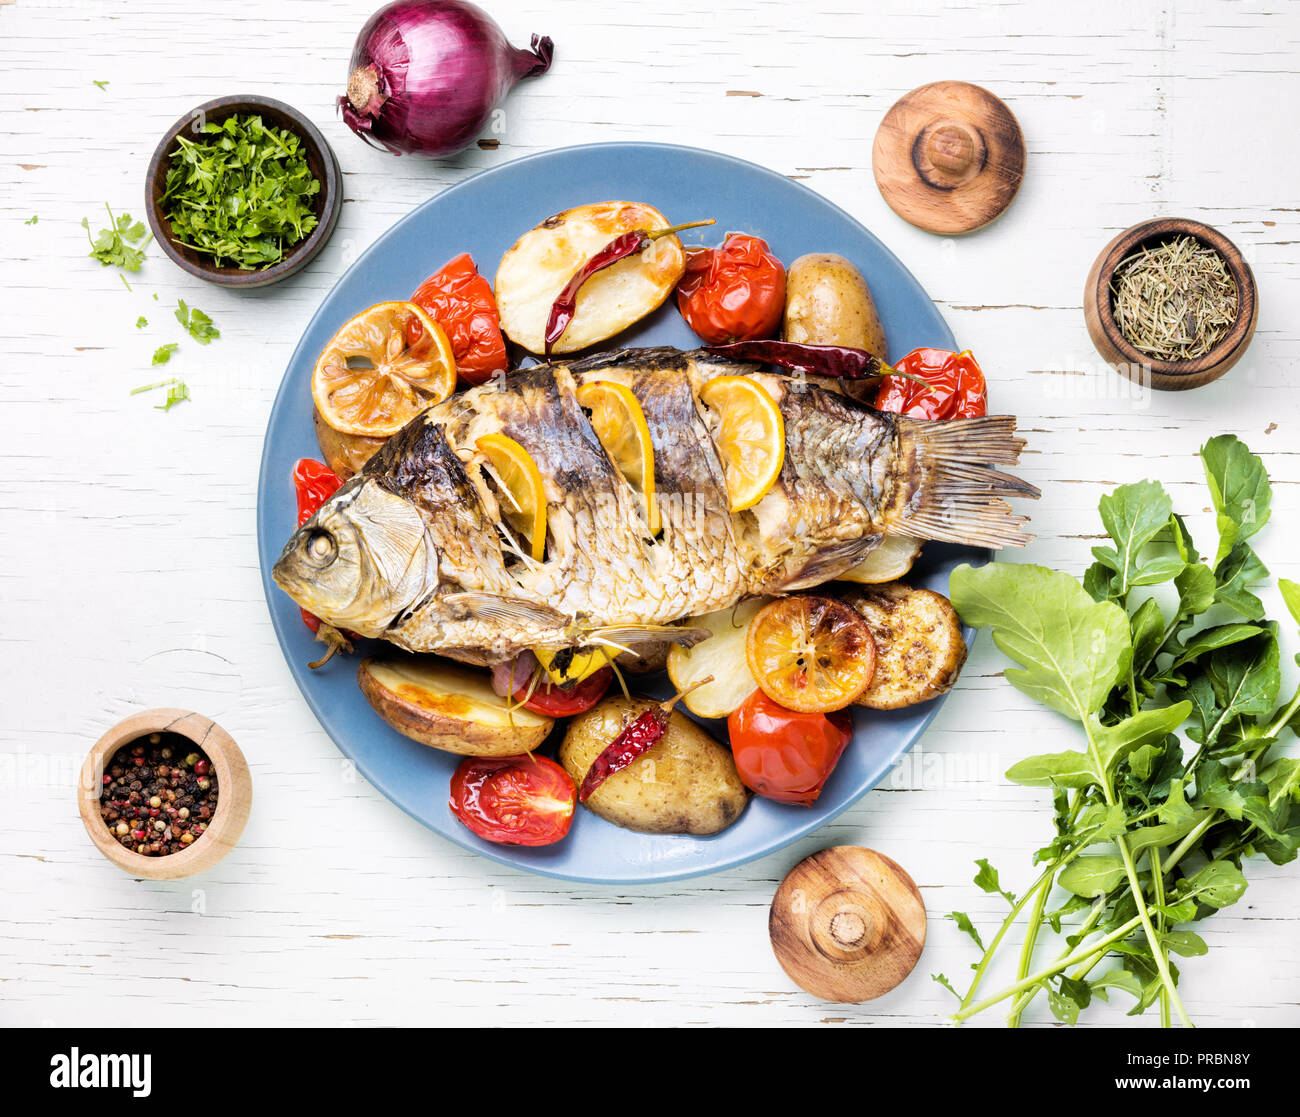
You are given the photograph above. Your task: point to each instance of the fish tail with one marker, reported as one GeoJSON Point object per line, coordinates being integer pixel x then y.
{"type": "Point", "coordinates": [954, 495]}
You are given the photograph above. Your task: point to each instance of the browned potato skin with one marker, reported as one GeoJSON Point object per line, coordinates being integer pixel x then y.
{"type": "Point", "coordinates": [345, 454]}
{"type": "Point", "coordinates": [827, 302]}
{"type": "Point", "coordinates": [685, 784]}
{"type": "Point", "coordinates": [919, 646]}
{"type": "Point", "coordinates": [651, 658]}
{"type": "Point", "coordinates": [456, 723]}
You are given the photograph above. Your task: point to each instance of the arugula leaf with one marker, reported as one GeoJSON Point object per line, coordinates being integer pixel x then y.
{"type": "Point", "coordinates": [1218, 885]}
{"type": "Point", "coordinates": [1240, 569]}
{"type": "Point", "coordinates": [987, 880]}
{"type": "Point", "coordinates": [1239, 488]}
{"type": "Point", "coordinates": [1291, 596]}
{"type": "Point", "coordinates": [1133, 516]}
{"type": "Point", "coordinates": [1071, 648]}
{"type": "Point", "coordinates": [964, 924]}
{"type": "Point", "coordinates": [1187, 943]}
{"type": "Point", "coordinates": [1094, 876]}
{"type": "Point", "coordinates": [939, 979]}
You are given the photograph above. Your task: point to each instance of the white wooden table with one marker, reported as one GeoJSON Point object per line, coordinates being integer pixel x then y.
{"type": "Point", "coordinates": [128, 561]}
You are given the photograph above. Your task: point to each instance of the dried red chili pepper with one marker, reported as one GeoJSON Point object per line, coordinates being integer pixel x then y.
{"type": "Point", "coordinates": [838, 361]}
{"type": "Point", "coordinates": [621, 247]}
{"type": "Point", "coordinates": [639, 736]}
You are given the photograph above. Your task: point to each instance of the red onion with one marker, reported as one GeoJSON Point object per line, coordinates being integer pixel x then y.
{"type": "Point", "coordinates": [426, 75]}
{"type": "Point", "coordinates": [510, 678]}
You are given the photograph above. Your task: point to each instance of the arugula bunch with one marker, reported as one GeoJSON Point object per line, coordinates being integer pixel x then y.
{"type": "Point", "coordinates": [1171, 670]}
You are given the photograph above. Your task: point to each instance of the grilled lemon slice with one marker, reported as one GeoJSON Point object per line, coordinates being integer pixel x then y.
{"type": "Point", "coordinates": [620, 425]}
{"type": "Point", "coordinates": [521, 480]}
{"type": "Point", "coordinates": [381, 369]}
{"type": "Point", "coordinates": [811, 654]}
{"type": "Point", "coordinates": [750, 437]}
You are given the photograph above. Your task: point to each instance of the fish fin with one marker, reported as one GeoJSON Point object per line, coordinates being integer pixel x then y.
{"type": "Point", "coordinates": [505, 610]}
{"type": "Point", "coordinates": [957, 497]}
{"type": "Point", "coordinates": [625, 637]}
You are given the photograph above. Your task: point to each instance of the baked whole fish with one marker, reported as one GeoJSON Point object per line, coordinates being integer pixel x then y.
{"type": "Point", "coordinates": [413, 548]}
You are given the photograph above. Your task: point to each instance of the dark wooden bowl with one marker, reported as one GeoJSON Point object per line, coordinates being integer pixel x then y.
{"type": "Point", "coordinates": [1142, 367]}
{"type": "Point", "coordinates": [320, 158]}
{"type": "Point", "coordinates": [234, 801]}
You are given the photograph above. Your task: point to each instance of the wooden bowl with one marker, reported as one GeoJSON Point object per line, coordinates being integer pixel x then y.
{"type": "Point", "coordinates": [1142, 367]}
{"type": "Point", "coordinates": [234, 798]}
{"type": "Point", "coordinates": [320, 158]}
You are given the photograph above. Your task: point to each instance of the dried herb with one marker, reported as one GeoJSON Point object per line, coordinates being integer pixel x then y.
{"type": "Point", "coordinates": [1175, 301]}
{"type": "Point", "coordinates": [242, 194]}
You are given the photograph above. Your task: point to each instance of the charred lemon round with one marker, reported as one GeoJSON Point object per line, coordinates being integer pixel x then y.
{"type": "Point", "coordinates": [750, 436]}
{"type": "Point", "coordinates": [381, 369]}
{"type": "Point", "coordinates": [620, 424]}
{"type": "Point", "coordinates": [520, 481]}
{"type": "Point", "coordinates": [811, 654]}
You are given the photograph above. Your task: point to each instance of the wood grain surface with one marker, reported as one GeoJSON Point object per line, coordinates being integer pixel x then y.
{"type": "Point", "coordinates": [129, 565]}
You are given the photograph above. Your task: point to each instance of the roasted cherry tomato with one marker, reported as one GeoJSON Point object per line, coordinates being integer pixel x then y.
{"type": "Point", "coordinates": [565, 701]}
{"type": "Point", "coordinates": [462, 303]}
{"type": "Point", "coordinates": [784, 755]}
{"type": "Point", "coordinates": [732, 293]}
{"type": "Point", "coordinates": [314, 483]}
{"type": "Point", "coordinates": [957, 388]}
{"type": "Point", "coordinates": [515, 800]}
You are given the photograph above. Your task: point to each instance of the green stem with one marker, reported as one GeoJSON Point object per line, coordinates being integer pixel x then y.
{"type": "Point", "coordinates": [1158, 891]}
{"type": "Point", "coordinates": [1077, 955]}
{"type": "Point", "coordinates": [1084, 929]}
{"type": "Point", "coordinates": [982, 968]}
{"type": "Point", "coordinates": [1031, 941]}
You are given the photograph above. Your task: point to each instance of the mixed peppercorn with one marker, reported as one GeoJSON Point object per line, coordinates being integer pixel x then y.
{"type": "Point", "coordinates": [159, 794]}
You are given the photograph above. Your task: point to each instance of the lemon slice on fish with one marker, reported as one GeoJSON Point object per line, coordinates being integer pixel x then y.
{"type": "Point", "coordinates": [524, 498]}
{"type": "Point", "coordinates": [620, 425]}
{"type": "Point", "coordinates": [381, 369]}
{"type": "Point", "coordinates": [750, 437]}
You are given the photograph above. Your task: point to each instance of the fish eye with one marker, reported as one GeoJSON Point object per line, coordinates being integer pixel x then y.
{"type": "Point", "coordinates": [321, 548]}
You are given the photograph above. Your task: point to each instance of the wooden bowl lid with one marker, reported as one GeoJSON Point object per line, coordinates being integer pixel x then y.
{"type": "Point", "coordinates": [847, 924]}
{"type": "Point", "coordinates": [949, 157]}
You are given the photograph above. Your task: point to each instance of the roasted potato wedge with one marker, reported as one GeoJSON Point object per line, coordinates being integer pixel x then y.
{"type": "Point", "coordinates": [343, 453]}
{"type": "Point", "coordinates": [891, 560]}
{"type": "Point", "coordinates": [686, 783]}
{"type": "Point", "coordinates": [722, 655]}
{"type": "Point", "coordinates": [448, 707]}
{"type": "Point", "coordinates": [827, 302]}
{"type": "Point", "coordinates": [919, 646]}
{"type": "Point", "coordinates": [535, 270]}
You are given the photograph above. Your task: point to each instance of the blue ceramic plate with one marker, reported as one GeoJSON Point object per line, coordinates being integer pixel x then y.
{"type": "Point", "coordinates": [484, 215]}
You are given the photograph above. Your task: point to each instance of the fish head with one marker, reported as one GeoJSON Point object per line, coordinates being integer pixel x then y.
{"type": "Point", "coordinates": [361, 560]}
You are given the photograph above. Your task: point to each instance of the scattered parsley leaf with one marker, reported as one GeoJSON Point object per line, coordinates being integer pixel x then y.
{"type": "Point", "coordinates": [141, 322]}
{"type": "Point", "coordinates": [163, 353]}
{"type": "Point", "coordinates": [121, 245]}
{"type": "Point", "coordinates": [177, 391]}
{"type": "Point", "coordinates": [198, 324]}
{"type": "Point", "coordinates": [101, 84]}
{"type": "Point", "coordinates": [32, 220]}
